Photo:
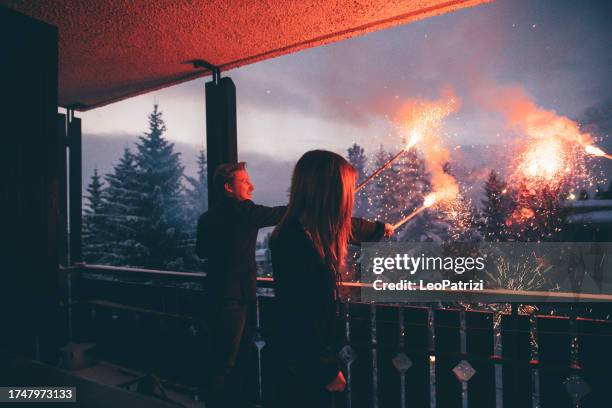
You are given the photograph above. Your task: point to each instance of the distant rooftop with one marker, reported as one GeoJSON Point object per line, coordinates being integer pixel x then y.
{"type": "Point", "coordinates": [599, 217]}
{"type": "Point", "coordinates": [588, 204]}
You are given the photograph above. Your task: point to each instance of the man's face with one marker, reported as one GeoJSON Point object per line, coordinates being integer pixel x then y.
{"type": "Point", "coordinates": [240, 188]}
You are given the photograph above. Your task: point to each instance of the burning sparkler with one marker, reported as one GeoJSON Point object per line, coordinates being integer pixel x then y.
{"type": "Point", "coordinates": [543, 159]}
{"type": "Point", "coordinates": [420, 119]}
{"type": "Point", "coordinates": [415, 136]}
{"type": "Point", "coordinates": [596, 151]}
{"type": "Point", "coordinates": [555, 151]}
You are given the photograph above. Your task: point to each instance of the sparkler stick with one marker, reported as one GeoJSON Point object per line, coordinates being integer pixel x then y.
{"type": "Point", "coordinates": [429, 200]}
{"type": "Point", "coordinates": [415, 136]}
{"type": "Point", "coordinates": [409, 217]}
{"type": "Point", "coordinates": [377, 172]}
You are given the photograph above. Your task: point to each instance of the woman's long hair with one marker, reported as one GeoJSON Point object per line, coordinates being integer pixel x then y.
{"type": "Point", "coordinates": [321, 198]}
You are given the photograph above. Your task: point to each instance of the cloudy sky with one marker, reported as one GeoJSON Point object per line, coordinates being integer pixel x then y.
{"type": "Point", "coordinates": [558, 51]}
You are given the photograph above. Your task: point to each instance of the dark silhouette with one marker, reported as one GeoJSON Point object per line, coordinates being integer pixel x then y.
{"type": "Point", "coordinates": [227, 235]}
{"type": "Point", "coordinates": [308, 256]}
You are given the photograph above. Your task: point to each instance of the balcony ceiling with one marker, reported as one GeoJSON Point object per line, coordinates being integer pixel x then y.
{"type": "Point", "coordinates": [114, 49]}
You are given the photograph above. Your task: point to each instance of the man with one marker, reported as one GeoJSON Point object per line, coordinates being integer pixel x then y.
{"type": "Point", "coordinates": [227, 235]}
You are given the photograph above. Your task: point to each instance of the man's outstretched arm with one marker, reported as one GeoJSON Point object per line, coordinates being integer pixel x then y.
{"type": "Point", "coordinates": [263, 216]}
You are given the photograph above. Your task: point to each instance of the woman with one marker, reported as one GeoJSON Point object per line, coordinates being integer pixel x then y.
{"type": "Point", "coordinates": [308, 255]}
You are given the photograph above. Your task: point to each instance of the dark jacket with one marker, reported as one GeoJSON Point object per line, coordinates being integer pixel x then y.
{"type": "Point", "coordinates": [305, 301]}
{"type": "Point", "coordinates": [227, 235]}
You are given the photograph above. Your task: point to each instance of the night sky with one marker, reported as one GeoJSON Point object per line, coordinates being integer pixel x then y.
{"type": "Point", "coordinates": [558, 51]}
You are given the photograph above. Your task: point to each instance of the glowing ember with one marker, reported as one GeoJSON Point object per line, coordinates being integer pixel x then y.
{"type": "Point", "coordinates": [527, 213]}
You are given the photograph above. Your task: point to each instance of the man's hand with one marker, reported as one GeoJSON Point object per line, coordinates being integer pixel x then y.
{"type": "Point", "coordinates": [338, 384]}
{"type": "Point", "coordinates": [389, 230]}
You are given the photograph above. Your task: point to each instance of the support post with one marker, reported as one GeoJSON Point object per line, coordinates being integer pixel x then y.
{"type": "Point", "coordinates": [221, 132]}
{"type": "Point", "coordinates": [63, 243]}
{"type": "Point", "coordinates": [75, 157]}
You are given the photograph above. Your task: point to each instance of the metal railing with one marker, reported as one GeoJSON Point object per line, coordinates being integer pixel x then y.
{"type": "Point", "coordinates": [427, 355]}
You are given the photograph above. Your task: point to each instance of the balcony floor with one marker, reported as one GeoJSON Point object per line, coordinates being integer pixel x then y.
{"type": "Point", "coordinates": [107, 373]}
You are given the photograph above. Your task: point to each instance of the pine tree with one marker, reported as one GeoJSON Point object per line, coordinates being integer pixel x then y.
{"type": "Point", "coordinates": [465, 226]}
{"type": "Point", "coordinates": [398, 191]}
{"type": "Point", "coordinates": [549, 214]}
{"type": "Point", "coordinates": [408, 189]}
{"type": "Point", "coordinates": [196, 203]}
{"type": "Point", "coordinates": [358, 159]}
{"type": "Point", "coordinates": [538, 214]}
{"type": "Point", "coordinates": [159, 175]}
{"type": "Point", "coordinates": [94, 244]}
{"type": "Point", "coordinates": [437, 223]}
{"type": "Point", "coordinates": [380, 202]}
{"type": "Point", "coordinates": [496, 209]}
{"type": "Point", "coordinates": [196, 194]}
{"type": "Point", "coordinates": [120, 212]}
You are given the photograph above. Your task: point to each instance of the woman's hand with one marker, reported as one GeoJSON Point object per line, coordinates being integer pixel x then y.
{"type": "Point", "coordinates": [389, 230]}
{"type": "Point", "coordinates": [338, 384]}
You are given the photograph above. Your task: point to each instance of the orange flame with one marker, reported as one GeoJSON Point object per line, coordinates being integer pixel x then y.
{"type": "Point", "coordinates": [543, 159]}
{"type": "Point", "coordinates": [555, 149]}
{"type": "Point", "coordinates": [422, 120]}
{"type": "Point", "coordinates": [596, 151]}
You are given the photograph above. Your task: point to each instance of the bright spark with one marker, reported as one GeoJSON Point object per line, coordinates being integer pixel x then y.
{"type": "Point", "coordinates": [543, 160]}
{"type": "Point", "coordinates": [429, 200]}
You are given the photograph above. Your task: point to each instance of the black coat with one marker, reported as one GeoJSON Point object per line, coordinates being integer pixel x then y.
{"type": "Point", "coordinates": [227, 235]}
{"type": "Point", "coordinates": [305, 301]}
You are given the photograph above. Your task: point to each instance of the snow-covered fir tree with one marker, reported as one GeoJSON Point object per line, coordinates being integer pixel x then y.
{"type": "Point", "coordinates": [465, 226]}
{"type": "Point", "coordinates": [159, 179]}
{"type": "Point", "coordinates": [436, 224]}
{"type": "Point", "coordinates": [196, 193]}
{"type": "Point", "coordinates": [410, 183]}
{"type": "Point", "coordinates": [381, 205]}
{"type": "Point", "coordinates": [357, 158]}
{"type": "Point", "coordinates": [398, 191]}
{"type": "Point", "coordinates": [550, 214]}
{"type": "Point", "coordinates": [496, 209]}
{"type": "Point", "coordinates": [94, 243]}
{"type": "Point", "coordinates": [538, 214]}
{"type": "Point", "coordinates": [121, 214]}
{"type": "Point", "coordinates": [196, 203]}
{"type": "Point", "coordinates": [459, 215]}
